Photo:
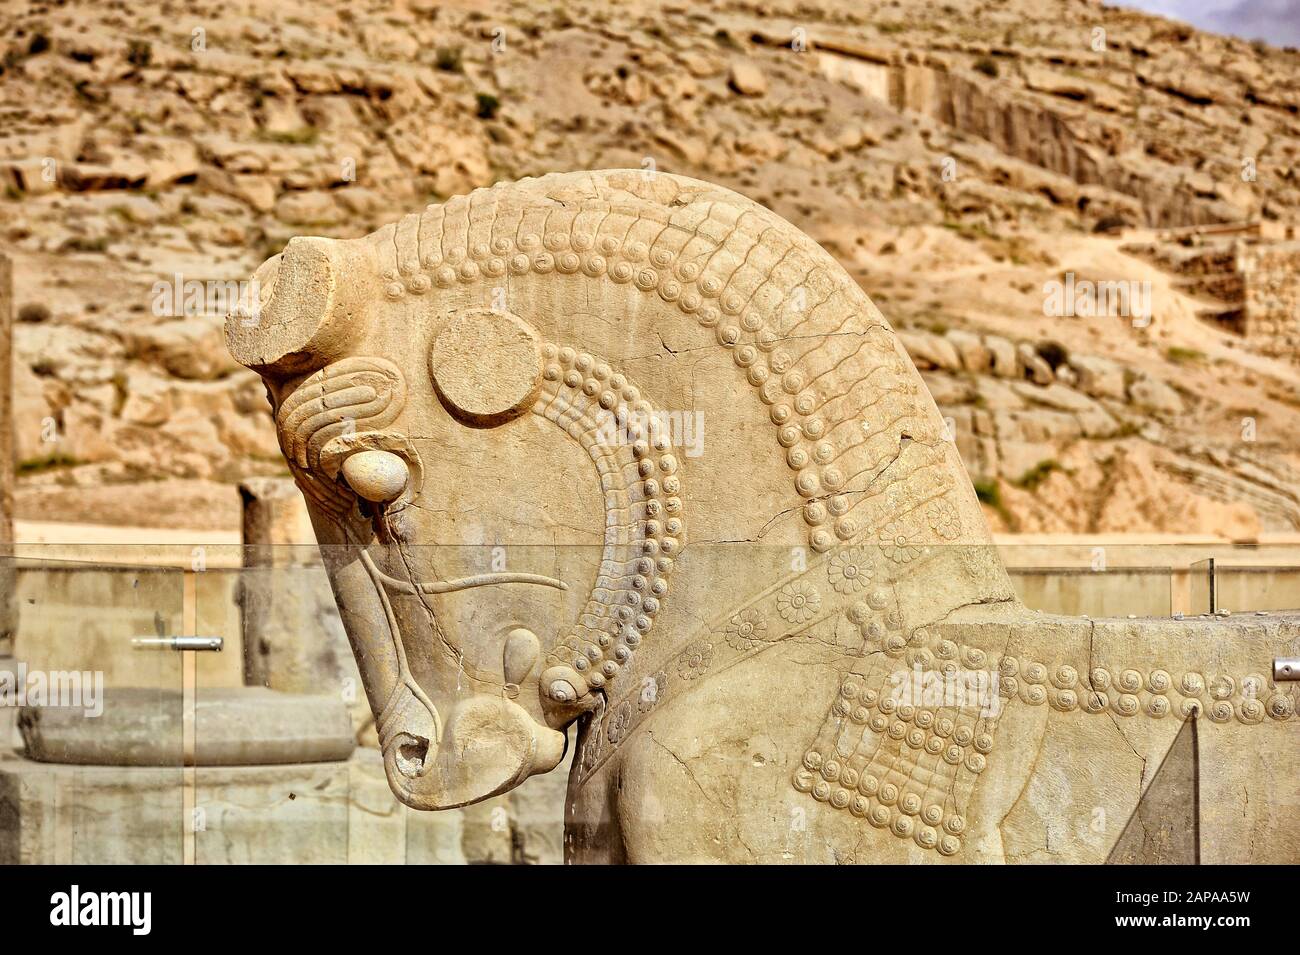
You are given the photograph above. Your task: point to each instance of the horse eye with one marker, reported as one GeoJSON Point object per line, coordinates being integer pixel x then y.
{"type": "Point", "coordinates": [378, 476]}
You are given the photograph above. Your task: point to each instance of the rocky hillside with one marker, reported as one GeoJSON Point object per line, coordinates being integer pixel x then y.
{"type": "Point", "coordinates": [956, 159]}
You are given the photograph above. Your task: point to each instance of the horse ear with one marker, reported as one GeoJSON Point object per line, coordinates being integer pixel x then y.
{"type": "Point", "coordinates": [284, 324]}
{"type": "Point", "coordinates": [486, 366]}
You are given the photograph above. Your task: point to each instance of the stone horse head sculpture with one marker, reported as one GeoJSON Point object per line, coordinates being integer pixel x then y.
{"type": "Point", "coordinates": [630, 452]}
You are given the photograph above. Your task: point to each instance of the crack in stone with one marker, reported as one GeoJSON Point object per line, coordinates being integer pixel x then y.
{"type": "Point", "coordinates": [691, 775]}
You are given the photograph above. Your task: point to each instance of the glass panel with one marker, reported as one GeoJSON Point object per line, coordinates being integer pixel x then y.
{"type": "Point", "coordinates": [286, 766]}
{"type": "Point", "coordinates": [1085, 579]}
{"type": "Point", "coordinates": [91, 727]}
{"type": "Point", "coordinates": [278, 776]}
{"type": "Point", "coordinates": [1253, 588]}
{"type": "Point", "coordinates": [1138, 591]}
{"type": "Point", "coordinates": [1249, 580]}
{"type": "Point", "coordinates": [1201, 586]}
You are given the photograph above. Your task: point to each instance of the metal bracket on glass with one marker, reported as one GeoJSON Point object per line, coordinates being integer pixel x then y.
{"type": "Point", "coordinates": [212, 644]}
{"type": "Point", "coordinates": [1214, 588]}
{"type": "Point", "coordinates": [1286, 668]}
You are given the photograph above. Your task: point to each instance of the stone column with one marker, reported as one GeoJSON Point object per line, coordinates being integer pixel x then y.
{"type": "Point", "coordinates": [293, 639]}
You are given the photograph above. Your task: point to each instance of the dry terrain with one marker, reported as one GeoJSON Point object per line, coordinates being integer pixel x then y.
{"type": "Point", "coordinates": [956, 159]}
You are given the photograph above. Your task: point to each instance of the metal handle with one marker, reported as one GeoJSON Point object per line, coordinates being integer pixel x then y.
{"type": "Point", "coordinates": [1286, 668]}
{"type": "Point", "coordinates": [212, 644]}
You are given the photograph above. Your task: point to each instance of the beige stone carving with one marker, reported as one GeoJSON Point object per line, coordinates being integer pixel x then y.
{"type": "Point", "coordinates": [630, 452]}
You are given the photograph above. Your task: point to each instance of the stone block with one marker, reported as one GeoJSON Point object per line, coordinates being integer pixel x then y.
{"type": "Point", "coordinates": [233, 726]}
{"type": "Point", "coordinates": [930, 351]}
{"type": "Point", "coordinates": [1003, 352]}
{"type": "Point", "coordinates": [976, 357]}
{"type": "Point", "coordinates": [1098, 377]}
{"type": "Point", "coordinates": [1148, 392]}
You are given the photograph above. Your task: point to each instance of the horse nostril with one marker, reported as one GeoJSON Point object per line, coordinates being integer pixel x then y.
{"type": "Point", "coordinates": [412, 755]}
{"type": "Point", "coordinates": [378, 476]}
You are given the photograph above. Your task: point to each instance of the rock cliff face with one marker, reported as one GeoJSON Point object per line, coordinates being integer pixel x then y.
{"type": "Point", "coordinates": [976, 167]}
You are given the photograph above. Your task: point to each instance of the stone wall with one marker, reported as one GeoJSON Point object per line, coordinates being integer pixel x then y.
{"type": "Point", "coordinates": [1271, 274]}
{"type": "Point", "coordinates": [1058, 122]}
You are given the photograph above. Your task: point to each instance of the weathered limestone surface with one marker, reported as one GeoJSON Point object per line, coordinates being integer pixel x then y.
{"type": "Point", "coordinates": [631, 453]}
{"type": "Point", "coordinates": [51, 813]}
{"type": "Point", "coordinates": [294, 641]}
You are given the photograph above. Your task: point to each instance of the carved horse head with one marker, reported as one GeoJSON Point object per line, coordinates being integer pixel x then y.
{"type": "Point", "coordinates": [522, 419]}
